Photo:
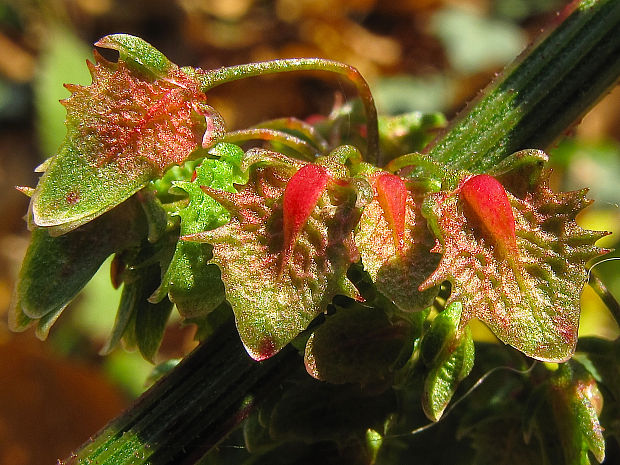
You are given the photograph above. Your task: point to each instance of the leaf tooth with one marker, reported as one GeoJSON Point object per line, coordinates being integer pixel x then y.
{"type": "Point", "coordinates": [92, 67]}
{"type": "Point", "coordinates": [25, 190]}
{"type": "Point", "coordinates": [585, 253]}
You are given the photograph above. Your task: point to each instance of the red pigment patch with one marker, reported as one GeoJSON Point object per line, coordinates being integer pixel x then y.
{"type": "Point", "coordinates": [487, 200]}
{"type": "Point", "coordinates": [132, 119]}
{"type": "Point", "coordinates": [266, 349]}
{"type": "Point", "coordinates": [300, 197]}
{"type": "Point", "coordinates": [392, 196]}
{"type": "Point", "coordinates": [72, 198]}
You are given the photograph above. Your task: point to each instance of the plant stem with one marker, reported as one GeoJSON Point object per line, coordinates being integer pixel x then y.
{"type": "Point", "coordinates": [545, 91]}
{"type": "Point", "coordinates": [215, 387]}
{"type": "Point", "coordinates": [608, 299]}
{"type": "Point", "coordinates": [299, 145]}
{"type": "Point", "coordinates": [213, 78]}
{"type": "Point", "coordinates": [189, 411]}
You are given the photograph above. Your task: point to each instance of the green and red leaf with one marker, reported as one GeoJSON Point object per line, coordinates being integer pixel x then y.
{"type": "Point", "coordinates": [192, 283]}
{"type": "Point", "coordinates": [278, 283]}
{"type": "Point", "coordinates": [524, 284]}
{"type": "Point", "coordinates": [394, 242]}
{"type": "Point", "coordinates": [139, 116]}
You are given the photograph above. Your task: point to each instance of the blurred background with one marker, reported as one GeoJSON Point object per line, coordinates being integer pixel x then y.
{"type": "Point", "coordinates": [426, 55]}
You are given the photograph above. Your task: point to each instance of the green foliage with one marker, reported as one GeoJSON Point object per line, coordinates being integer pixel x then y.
{"type": "Point", "coordinates": [373, 272]}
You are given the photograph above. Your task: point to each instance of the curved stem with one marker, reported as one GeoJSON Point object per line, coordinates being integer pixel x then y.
{"type": "Point", "coordinates": [294, 124]}
{"type": "Point", "coordinates": [271, 135]}
{"type": "Point", "coordinates": [608, 299]}
{"type": "Point", "coordinates": [213, 78]}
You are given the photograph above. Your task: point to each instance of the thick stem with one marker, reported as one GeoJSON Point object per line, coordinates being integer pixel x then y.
{"type": "Point", "coordinates": [545, 91]}
{"type": "Point", "coordinates": [213, 78]}
{"type": "Point", "coordinates": [189, 411]}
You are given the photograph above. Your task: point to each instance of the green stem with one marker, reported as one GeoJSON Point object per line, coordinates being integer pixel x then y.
{"type": "Point", "coordinates": [608, 299]}
{"type": "Point", "coordinates": [533, 102]}
{"type": "Point", "coordinates": [309, 132]}
{"type": "Point", "coordinates": [299, 145]}
{"type": "Point", "coordinates": [213, 78]}
{"type": "Point", "coordinates": [189, 411]}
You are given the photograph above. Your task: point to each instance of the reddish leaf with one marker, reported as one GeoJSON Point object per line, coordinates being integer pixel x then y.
{"type": "Point", "coordinates": [394, 243]}
{"type": "Point", "coordinates": [528, 292]}
{"type": "Point", "coordinates": [487, 200]}
{"type": "Point", "coordinates": [123, 130]}
{"type": "Point", "coordinates": [275, 299]}
{"type": "Point", "coordinates": [392, 195]}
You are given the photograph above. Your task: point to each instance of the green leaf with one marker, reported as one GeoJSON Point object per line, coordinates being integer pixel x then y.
{"type": "Point", "coordinates": [438, 342]}
{"type": "Point", "coordinates": [397, 258]}
{"type": "Point", "coordinates": [151, 318]}
{"type": "Point", "coordinates": [55, 269]}
{"type": "Point", "coordinates": [408, 132]}
{"type": "Point", "coordinates": [443, 379]}
{"type": "Point", "coordinates": [601, 359]}
{"type": "Point", "coordinates": [138, 117]}
{"type": "Point", "coordinates": [528, 292]}
{"type": "Point", "coordinates": [193, 284]}
{"type": "Point", "coordinates": [357, 345]}
{"type": "Point", "coordinates": [274, 299]}
{"type": "Point", "coordinates": [576, 403]}
{"type": "Point", "coordinates": [139, 55]}
{"type": "Point", "coordinates": [140, 323]}
{"type": "Point", "coordinates": [604, 356]}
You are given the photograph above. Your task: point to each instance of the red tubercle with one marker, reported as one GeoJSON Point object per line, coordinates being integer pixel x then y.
{"type": "Point", "coordinates": [392, 195]}
{"type": "Point", "coordinates": [488, 201]}
{"type": "Point", "coordinates": [301, 195]}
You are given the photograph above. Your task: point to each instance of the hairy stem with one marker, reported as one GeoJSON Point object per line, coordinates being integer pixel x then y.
{"type": "Point", "coordinates": [545, 91]}
{"type": "Point", "coordinates": [299, 145]}
{"type": "Point", "coordinates": [213, 78]}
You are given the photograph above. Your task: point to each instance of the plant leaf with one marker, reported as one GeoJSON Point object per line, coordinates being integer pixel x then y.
{"type": "Point", "coordinates": [394, 243]}
{"type": "Point", "coordinates": [528, 296]}
{"type": "Point", "coordinates": [138, 117]}
{"type": "Point", "coordinates": [443, 379]}
{"type": "Point", "coordinates": [192, 283]}
{"type": "Point", "coordinates": [274, 299]}
{"type": "Point", "coordinates": [55, 269]}
{"type": "Point", "coordinates": [356, 345]}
